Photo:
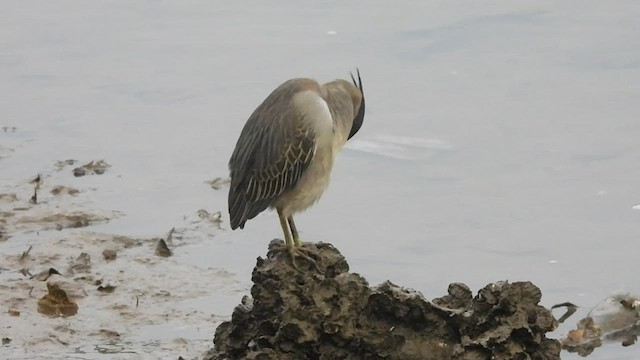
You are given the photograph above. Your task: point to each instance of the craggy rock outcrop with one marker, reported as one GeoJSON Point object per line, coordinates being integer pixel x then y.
{"type": "Point", "coordinates": [333, 314]}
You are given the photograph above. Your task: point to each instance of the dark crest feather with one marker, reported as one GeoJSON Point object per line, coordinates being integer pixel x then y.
{"type": "Point", "coordinates": [357, 121]}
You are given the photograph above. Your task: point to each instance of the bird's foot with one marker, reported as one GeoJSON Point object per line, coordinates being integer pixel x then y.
{"type": "Point", "coordinates": [299, 251]}
{"type": "Point", "coordinates": [296, 252]}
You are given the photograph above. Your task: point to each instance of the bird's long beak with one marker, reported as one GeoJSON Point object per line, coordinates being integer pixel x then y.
{"type": "Point", "coordinates": [357, 121]}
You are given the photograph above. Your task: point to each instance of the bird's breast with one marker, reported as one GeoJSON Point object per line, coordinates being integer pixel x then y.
{"type": "Point", "coordinates": [313, 182]}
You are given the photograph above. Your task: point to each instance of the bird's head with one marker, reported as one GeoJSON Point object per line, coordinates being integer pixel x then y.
{"type": "Point", "coordinates": [358, 101]}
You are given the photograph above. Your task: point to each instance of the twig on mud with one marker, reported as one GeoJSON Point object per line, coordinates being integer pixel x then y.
{"type": "Point", "coordinates": [26, 272]}
{"type": "Point", "coordinates": [571, 309]}
{"type": "Point", "coordinates": [105, 350]}
{"type": "Point", "coordinates": [170, 235]}
{"type": "Point", "coordinates": [34, 197]}
{"type": "Point", "coordinates": [25, 253]}
{"type": "Point", "coordinates": [37, 181]}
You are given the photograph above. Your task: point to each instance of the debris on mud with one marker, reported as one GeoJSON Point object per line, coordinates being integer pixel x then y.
{"type": "Point", "coordinates": [61, 164]}
{"type": "Point", "coordinates": [6, 341]}
{"type": "Point", "coordinates": [36, 182]}
{"type": "Point", "coordinates": [64, 190]}
{"type": "Point", "coordinates": [56, 303]}
{"type": "Point", "coordinates": [9, 197]}
{"type": "Point", "coordinates": [82, 264]}
{"type": "Point", "coordinates": [91, 168]}
{"type": "Point", "coordinates": [334, 314]}
{"type": "Point", "coordinates": [614, 320]}
{"type": "Point", "coordinates": [162, 249]}
{"type": "Point", "coordinates": [106, 289]}
{"type": "Point", "coordinates": [59, 221]}
{"type": "Point", "coordinates": [218, 183]}
{"type": "Point", "coordinates": [571, 309]}
{"type": "Point", "coordinates": [109, 254]}
{"type": "Point", "coordinates": [44, 275]}
{"type": "Point", "coordinates": [212, 218]}
{"type": "Point", "coordinates": [37, 206]}
{"type": "Point", "coordinates": [3, 234]}
{"type": "Point", "coordinates": [107, 334]}
{"type": "Point", "coordinates": [25, 254]}
{"type": "Point", "coordinates": [128, 309]}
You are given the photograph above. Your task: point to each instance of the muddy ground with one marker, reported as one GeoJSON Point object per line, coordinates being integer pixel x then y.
{"type": "Point", "coordinates": [131, 300]}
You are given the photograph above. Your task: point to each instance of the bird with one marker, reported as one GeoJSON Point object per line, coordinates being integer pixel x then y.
{"type": "Point", "coordinates": [285, 153]}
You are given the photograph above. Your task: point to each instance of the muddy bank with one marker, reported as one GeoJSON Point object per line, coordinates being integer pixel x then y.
{"type": "Point", "coordinates": [330, 313]}
{"type": "Point", "coordinates": [69, 290]}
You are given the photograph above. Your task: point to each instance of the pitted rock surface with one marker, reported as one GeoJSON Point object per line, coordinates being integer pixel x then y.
{"type": "Point", "coordinates": [333, 314]}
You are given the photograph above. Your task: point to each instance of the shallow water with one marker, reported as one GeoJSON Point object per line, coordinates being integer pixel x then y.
{"type": "Point", "coordinates": [500, 140]}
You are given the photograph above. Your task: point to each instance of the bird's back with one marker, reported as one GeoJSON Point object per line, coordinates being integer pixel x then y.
{"type": "Point", "coordinates": [274, 149]}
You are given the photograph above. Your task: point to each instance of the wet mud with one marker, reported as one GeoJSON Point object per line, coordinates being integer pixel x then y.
{"type": "Point", "coordinates": [331, 313]}
{"type": "Point", "coordinates": [68, 291]}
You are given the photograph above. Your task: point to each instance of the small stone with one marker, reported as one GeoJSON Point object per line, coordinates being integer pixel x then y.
{"type": "Point", "coordinates": [77, 172]}
{"type": "Point", "coordinates": [109, 254]}
{"type": "Point", "coordinates": [56, 303]}
{"type": "Point", "coordinates": [107, 289]}
{"type": "Point", "coordinates": [162, 249]}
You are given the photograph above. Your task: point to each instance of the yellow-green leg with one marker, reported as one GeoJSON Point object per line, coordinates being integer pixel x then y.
{"type": "Point", "coordinates": [294, 232]}
{"type": "Point", "coordinates": [288, 242]}
{"type": "Point", "coordinates": [292, 241]}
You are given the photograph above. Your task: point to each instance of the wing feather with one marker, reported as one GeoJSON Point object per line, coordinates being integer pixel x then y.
{"type": "Point", "coordinates": [274, 149]}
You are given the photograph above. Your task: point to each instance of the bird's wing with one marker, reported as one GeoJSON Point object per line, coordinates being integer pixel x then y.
{"type": "Point", "coordinates": [274, 149]}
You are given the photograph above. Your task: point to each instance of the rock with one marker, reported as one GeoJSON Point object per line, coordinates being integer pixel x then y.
{"type": "Point", "coordinates": [109, 254]}
{"type": "Point", "coordinates": [106, 289]}
{"type": "Point", "coordinates": [331, 313]}
{"type": "Point", "coordinates": [56, 303]}
{"type": "Point", "coordinates": [162, 249]}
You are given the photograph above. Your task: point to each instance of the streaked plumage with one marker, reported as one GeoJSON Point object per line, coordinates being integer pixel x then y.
{"type": "Point", "coordinates": [285, 153]}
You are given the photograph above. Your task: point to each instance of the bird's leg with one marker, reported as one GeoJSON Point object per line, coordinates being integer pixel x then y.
{"type": "Point", "coordinates": [288, 242]}
{"type": "Point", "coordinates": [298, 243]}
{"type": "Point", "coordinates": [294, 231]}
{"type": "Point", "coordinates": [292, 247]}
